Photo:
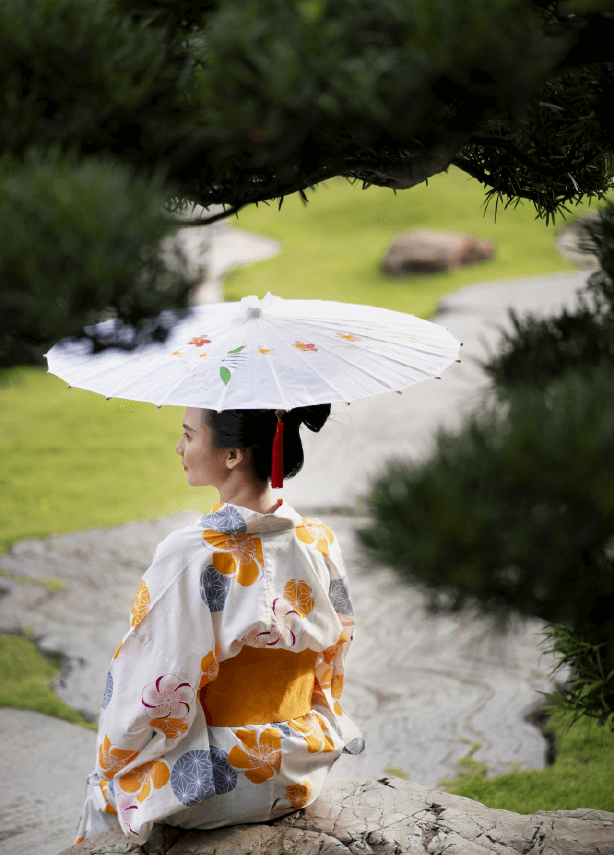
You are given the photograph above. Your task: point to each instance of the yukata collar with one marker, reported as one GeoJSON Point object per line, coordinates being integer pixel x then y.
{"type": "Point", "coordinates": [233, 519]}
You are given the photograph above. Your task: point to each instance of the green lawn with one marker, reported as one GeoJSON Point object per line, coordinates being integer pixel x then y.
{"type": "Point", "coordinates": [332, 247]}
{"type": "Point", "coordinates": [72, 460]}
{"type": "Point", "coordinates": [582, 775]}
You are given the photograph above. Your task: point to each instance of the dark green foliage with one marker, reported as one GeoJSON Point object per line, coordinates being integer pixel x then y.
{"type": "Point", "coordinates": [75, 75]}
{"type": "Point", "coordinates": [559, 153]}
{"type": "Point", "coordinates": [240, 101]}
{"type": "Point", "coordinates": [599, 240]}
{"type": "Point", "coordinates": [88, 226]}
{"type": "Point", "coordinates": [391, 93]}
{"type": "Point", "coordinates": [589, 654]}
{"type": "Point", "coordinates": [319, 88]}
{"type": "Point", "coordinates": [177, 17]}
{"type": "Point", "coordinates": [536, 351]}
{"type": "Point", "coordinates": [90, 107]}
{"type": "Point", "coordinates": [516, 511]}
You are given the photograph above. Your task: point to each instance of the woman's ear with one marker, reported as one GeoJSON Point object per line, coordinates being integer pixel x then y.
{"type": "Point", "coordinates": [234, 457]}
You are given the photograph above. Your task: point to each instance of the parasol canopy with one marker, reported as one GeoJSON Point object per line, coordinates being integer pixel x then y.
{"type": "Point", "coordinates": [265, 354]}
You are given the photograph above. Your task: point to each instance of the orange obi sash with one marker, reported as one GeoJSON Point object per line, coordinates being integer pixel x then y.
{"type": "Point", "coordinates": [260, 686]}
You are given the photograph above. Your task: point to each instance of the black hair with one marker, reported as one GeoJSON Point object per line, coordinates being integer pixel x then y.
{"type": "Point", "coordinates": [255, 429]}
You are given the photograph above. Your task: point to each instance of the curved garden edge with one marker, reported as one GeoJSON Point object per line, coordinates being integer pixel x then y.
{"type": "Point", "coordinates": [385, 817]}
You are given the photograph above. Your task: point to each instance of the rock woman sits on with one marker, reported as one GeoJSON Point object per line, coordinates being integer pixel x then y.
{"type": "Point", "coordinates": [222, 702]}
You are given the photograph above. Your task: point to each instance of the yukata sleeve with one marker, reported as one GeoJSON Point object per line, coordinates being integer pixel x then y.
{"type": "Point", "coordinates": [331, 663]}
{"type": "Point", "coordinates": [151, 702]}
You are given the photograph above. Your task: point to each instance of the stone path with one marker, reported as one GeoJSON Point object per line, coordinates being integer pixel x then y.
{"type": "Point", "coordinates": [424, 689]}
{"type": "Point", "coordinates": [209, 252]}
{"type": "Point", "coordinates": [231, 247]}
{"type": "Point", "coordinates": [44, 764]}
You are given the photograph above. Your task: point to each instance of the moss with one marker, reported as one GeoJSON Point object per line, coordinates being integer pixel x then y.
{"type": "Point", "coordinates": [469, 769]}
{"type": "Point", "coordinates": [582, 775]}
{"type": "Point", "coordinates": [396, 772]}
{"type": "Point", "coordinates": [52, 585]}
{"type": "Point", "coordinates": [25, 680]}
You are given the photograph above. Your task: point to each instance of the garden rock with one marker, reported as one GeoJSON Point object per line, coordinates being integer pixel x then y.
{"type": "Point", "coordinates": [430, 251]}
{"type": "Point", "coordinates": [385, 817]}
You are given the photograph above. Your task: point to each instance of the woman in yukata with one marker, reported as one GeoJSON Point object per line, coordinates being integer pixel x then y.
{"type": "Point", "coordinates": [222, 703]}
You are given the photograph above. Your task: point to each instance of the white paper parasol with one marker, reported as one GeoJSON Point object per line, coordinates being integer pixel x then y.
{"type": "Point", "coordinates": [270, 354]}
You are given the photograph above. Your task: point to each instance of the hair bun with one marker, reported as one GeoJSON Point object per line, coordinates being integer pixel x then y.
{"type": "Point", "coordinates": [313, 417]}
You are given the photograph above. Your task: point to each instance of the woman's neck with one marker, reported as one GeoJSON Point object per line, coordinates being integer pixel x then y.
{"type": "Point", "coordinates": [253, 496]}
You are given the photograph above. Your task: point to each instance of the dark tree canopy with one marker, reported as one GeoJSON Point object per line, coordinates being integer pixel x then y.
{"type": "Point", "coordinates": [239, 101]}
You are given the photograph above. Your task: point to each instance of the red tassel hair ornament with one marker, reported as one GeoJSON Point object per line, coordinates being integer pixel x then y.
{"type": "Point", "coordinates": [277, 465]}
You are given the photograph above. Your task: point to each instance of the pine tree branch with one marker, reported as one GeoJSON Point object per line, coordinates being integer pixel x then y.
{"type": "Point", "coordinates": [214, 218]}
{"type": "Point", "coordinates": [489, 180]}
{"type": "Point", "coordinates": [540, 169]}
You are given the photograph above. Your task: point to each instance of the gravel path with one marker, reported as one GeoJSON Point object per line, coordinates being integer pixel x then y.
{"type": "Point", "coordinates": [424, 689]}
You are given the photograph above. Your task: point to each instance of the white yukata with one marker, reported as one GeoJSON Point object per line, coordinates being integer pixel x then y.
{"type": "Point", "coordinates": [222, 704]}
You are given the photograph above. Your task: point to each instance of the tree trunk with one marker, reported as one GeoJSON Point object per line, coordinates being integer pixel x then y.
{"type": "Point", "coordinates": [385, 817]}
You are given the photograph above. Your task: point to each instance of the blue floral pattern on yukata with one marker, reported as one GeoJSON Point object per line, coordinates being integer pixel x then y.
{"type": "Point", "coordinates": [192, 777]}
{"type": "Point", "coordinates": [355, 746]}
{"type": "Point", "coordinates": [227, 520]}
{"type": "Point", "coordinates": [214, 588]}
{"type": "Point", "coordinates": [283, 728]}
{"type": "Point", "coordinates": [224, 776]}
{"type": "Point", "coordinates": [108, 692]}
{"type": "Point", "coordinates": [339, 595]}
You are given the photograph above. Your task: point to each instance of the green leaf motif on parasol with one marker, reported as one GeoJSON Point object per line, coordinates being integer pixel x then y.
{"type": "Point", "coordinates": [225, 372]}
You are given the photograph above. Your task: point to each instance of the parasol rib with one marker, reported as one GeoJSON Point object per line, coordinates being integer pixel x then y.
{"type": "Point", "coordinates": [279, 387]}
{"type": "Point", "coordinates": [375, 377]}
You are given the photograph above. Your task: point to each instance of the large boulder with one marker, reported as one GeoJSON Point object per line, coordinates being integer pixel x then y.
{"type": "Point", "coordinates": [430, 251]}
{"type": "Point", "coordinates": [385, 817]}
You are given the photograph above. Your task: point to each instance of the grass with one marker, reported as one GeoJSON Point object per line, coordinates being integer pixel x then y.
{"type": "Point", "coordinates": [52, 585]}
{"type": "Point", "coordinates": [72, 460]}
{"type": "Point", "coordinates": [332, 247]}
{"type": "Point", "coordinates": [582, 775]}
{"type": "Point", "coordinates": [25, 680]}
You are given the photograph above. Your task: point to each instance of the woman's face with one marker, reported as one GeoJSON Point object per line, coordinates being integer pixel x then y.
{"type": "Point", "coordinates": [205, 466]}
